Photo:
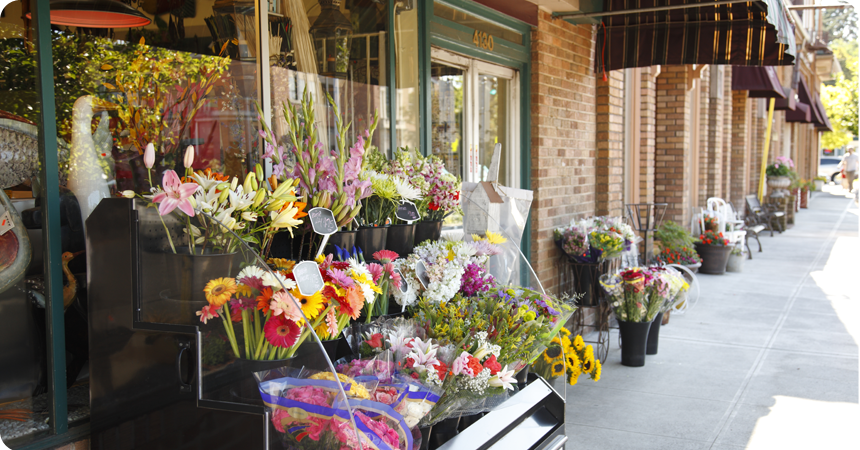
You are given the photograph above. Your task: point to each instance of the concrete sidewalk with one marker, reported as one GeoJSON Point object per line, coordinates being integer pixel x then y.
{"type": "Point", "coordinates": [767, 359]}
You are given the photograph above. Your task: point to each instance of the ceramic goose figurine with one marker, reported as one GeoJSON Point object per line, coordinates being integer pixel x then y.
{"type": "Point", "coordinates": [87, 177]}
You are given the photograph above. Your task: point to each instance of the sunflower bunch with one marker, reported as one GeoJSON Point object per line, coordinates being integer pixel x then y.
{"type": "Point", "coordinates": [568, 358]}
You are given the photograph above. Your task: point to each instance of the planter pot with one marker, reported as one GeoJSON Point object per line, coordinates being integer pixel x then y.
{"type": "Point", "coordinates": [804, 198]}
{"type": "Point", "coordinates": [654, 335]}
{"type": "Point", "coordinates": [714, 258]}
{"type": "Point", "coordinates": [586, 282]}
{"type": "Point", "coordinates": [295, 247]}
{"type": "Point", "coordinates": [735, 263]}
{"type": "Point", "coordinates": [522, 377]}
{"type": "Point", "coordinates": [694, 268]}
{"type": "Point", "coordinates": [191, 272]}
{"type": "Point", "coordinates": [442, 432]}
{"type": "Point", "coordinates": [343, 239]}
{"type": "Point", "coordinates": [634, 341]}
{"type": "Point", "coordinates": [401, 239]}
{"type": "Point", "coordinates": [819, 185]}
{"type": "Point", "coordinates": [428, 231]}
{"type": "Point", "coordinates": [778, 182]}
{"type": "Point", "coordinates": [243, 387]}
{"type": "Point", "coordinates": [371, 240]}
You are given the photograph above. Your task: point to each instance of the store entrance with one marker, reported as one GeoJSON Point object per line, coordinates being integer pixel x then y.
{"type": "Point", "coordinates": [474, 105]}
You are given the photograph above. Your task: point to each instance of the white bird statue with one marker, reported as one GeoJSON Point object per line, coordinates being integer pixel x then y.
{"type": "Point", "coordinates": [90, 161]}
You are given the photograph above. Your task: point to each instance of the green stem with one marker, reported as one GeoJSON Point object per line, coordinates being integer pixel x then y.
{"type": "Point", "coordinates": [246, 331]}
{"type": "Point", "coordinates": [190, 234]}
{"type": "Point", "coordinates": [306, 332]}
{"type": "Point", "coordinates": [262, 343]}
{"type": "Point", "coordinates": [257, 326]}
{"type": "Point", "coordinates": [228, 327]}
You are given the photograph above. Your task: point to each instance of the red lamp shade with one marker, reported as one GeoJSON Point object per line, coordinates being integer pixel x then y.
{"type": "Point", "coordinates": [95, 14]}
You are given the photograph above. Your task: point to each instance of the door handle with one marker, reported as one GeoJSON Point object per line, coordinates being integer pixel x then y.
{"type": "Point", "coordinates": [183, 347]}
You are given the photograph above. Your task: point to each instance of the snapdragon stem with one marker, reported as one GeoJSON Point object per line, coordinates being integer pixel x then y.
{"type": "Point", "coordinates": [228, 327]}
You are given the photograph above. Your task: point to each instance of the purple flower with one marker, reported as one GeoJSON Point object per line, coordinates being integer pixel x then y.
{"type": "Point", "coordinates": [475, 280]}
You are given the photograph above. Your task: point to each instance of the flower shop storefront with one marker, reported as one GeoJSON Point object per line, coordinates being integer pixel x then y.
{"type": "Point", "coordinates": [214, 190]}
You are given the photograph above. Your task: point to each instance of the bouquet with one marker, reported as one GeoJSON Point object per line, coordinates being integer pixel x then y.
{"type": "Point", "coordinates": [595, 239]}
{"type": "Point", "coordinates": [568, 358]}
{"type": "Point", "coordinates": [440, 189]}
{"type": "Point", "coordinates": [628, 294]}
{"type": "Point", "coordinates": [388, 190]}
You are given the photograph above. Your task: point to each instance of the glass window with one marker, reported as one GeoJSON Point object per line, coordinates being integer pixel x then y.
{"type": "Point", "coordinates": [331, 47]}
{"type": "Point", "coordinates": [406, 45]}
{"type": "Point", "coordinates": [446, 112]}
{"type": "Point", "coordinates": [463, 18]}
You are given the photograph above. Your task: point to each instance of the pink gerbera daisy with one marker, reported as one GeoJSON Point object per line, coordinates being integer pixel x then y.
{"type": "Point", "coordinates": [281, 332]}
{"type": "Point", "coordinates": [331, 323]}
{"type": "Point", "coordinates": [340, 278]}
{"type": "Point", "coordinates": [385, 256]}
{"type": "Point", "coordinates": [284, 305]}
{"type": "Point", "coordinates": [375, 271]}
{"type": "Point", "coordinates": [208, 312]}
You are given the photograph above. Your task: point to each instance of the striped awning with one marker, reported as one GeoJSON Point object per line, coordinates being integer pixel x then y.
{"type": "Point", "coordinates": [755, 33]}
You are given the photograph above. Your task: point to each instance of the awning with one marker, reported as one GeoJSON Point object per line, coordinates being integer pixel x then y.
{"type": "Point", "coordinates": [802, 113]}
{"type": "Point", "coordinates": [761, 82]}
{"type": "Point", "coordinates": [755, 33]}
{"type": "Point", "coordinates": [819, 115]}
{"type": "Point", "coordinates": [787, 103]}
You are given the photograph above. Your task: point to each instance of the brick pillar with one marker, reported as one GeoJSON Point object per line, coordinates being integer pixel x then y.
{"type": "Point", "coordinates": [647, 127]}
{"type": "Point", "coordinates": [610, 144]}
{"type": "Point", "coordinates": [727, 138]}
{"type": "Point", "coordinates": [562, 135]}
{"type": "Point", "coordinates": [672, 144]}
{"type": "Point", "coordinates": [704, 125]}
{"type": "Point", "coordinates": [715, 133]}
{"type": "Point", "coordinates": [741, 129]}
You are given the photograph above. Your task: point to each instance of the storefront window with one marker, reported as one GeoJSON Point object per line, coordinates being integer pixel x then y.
{"type": "Point", "coordinates": [336, 48]}
{"type": "Point", "coordinates": [406, 39]}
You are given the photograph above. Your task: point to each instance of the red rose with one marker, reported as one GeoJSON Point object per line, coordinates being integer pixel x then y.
{"type": "Point", "coordinates": [493, 365]}
{"type": "Point", "coordinates": [409, 363]}
{"type": "Point", "coordinates": [375, 340]}
{"type": "Point", "coordinates": [475, 365]}
{"type": "Point", "coordinates": [414, 375]}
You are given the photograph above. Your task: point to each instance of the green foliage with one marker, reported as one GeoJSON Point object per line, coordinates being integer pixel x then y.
{"type": "Point", "coordinates": [840, 24]}
{"type": "Point", "coordinates": [673, 236]}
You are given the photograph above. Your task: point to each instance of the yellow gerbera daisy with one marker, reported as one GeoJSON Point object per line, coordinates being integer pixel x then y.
{"type": "Point", "coordinates": [219, 290]}
{"type": "Point", "coordinates": [311, 305]}
{"type": "Point", "coordinates": [495, 238]}
{"type": "Point", "coordinates": [364, 279]}
{"type": "Point", "coordinates": [578, 343]}
{"type": "Point", "coordinates": [322, 331]}
{"type": "Point", "coordinates": [596, 374]}
{"type": "Point", "coordinates": [244, 291]}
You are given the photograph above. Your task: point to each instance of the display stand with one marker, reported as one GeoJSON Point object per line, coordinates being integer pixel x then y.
{"type": "Point", "coordinates": [643, 218]}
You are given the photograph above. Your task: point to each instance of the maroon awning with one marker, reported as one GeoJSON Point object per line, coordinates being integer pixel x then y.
{"type": "Point", "coordinates": [787, 103]}
{"type": "Point", "coordinates": [760, 81]}
{"type": "Point", "coordinates": [802, 113]}
{"type": "Point", "coordinates": [820, 119]}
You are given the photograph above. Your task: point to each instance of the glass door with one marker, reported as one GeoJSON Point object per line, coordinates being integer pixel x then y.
{"type": "Point", "coordinates": [474, 106]}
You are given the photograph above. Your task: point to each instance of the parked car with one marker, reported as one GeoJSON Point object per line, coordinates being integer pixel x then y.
{"type": "Point", "coordinates": [827, 168]}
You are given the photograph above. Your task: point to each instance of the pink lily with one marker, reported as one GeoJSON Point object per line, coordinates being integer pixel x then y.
{"type": "Point", "coordinates": [176, 195]}
{"type": "Point", "coordinates": [503, 379]}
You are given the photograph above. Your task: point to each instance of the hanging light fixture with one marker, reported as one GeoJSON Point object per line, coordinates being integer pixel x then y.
{"type": "Point", "coordinates": [332, 32]}
{"type": "Point", "coordinates": [95, 14]}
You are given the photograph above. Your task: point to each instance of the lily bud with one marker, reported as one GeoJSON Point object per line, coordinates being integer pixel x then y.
{"type": "Point", "coordinates": [128, 194]}
{"type": "Point", "coordinates": [249, 216]}
{"type": "Point", "coordinates": [249, 183]}
{"type": "Point", "coordinates": [149, 156]}
{"type": "Point", "coordinates": [225, 194]}
{"type": "Point", "coordinates": [258, 199]}
{"type": "Point", "coordinates": [259, 171]}
{"type": "Point", "coordinates": [189, 157]}
{"type": "Point", "coordinates": [234, 184]}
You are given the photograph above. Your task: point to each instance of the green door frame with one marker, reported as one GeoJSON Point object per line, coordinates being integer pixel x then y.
{"type": "Point", "coordinates": [458, 38]}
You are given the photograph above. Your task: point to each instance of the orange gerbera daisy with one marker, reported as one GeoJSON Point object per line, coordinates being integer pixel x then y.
{"type": "Point", "coordinates": [352, 302]}
{"type": "Point", "coordinates": [219, 290]}
{"type": "Point", "coordinates": [264, 299]}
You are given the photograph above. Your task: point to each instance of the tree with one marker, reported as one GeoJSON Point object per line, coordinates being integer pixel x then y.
{"type": "Point", "coordinates": [840, 102]}
{"type": "Point", "coordinates": [840, 24]}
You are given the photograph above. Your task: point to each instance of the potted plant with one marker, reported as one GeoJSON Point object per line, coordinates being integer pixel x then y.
{"type": "Point", "coordinates": [714, 250]}
{"type": "Point", "coordinates": [819, 183]}
{"type": "Point", "coordinates": [778, 174]}
{"type": "Point", "coordinates": [677, 246]}
{"type": "Point", "coordinates": [736, 260]}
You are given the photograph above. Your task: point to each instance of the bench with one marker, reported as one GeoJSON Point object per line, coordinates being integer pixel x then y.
{"type": "Point", "coordinates": [763, 215]}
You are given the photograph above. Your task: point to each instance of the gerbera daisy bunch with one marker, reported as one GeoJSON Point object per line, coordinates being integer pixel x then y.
{"type": "Point", "coordinates": [386, 278]}
{"type": "Point", "coordinates": [345, 291]}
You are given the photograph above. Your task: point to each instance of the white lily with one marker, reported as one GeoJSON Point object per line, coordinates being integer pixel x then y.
{"type": "Point", "coordinates": [421, 359]}
{"type": "Point", "coordinates": [286, 218]}
{"type": "Point", "coordinates": [249, 216]}
{"type": "Point", "coordinates": [240, 200]}
{"type": "Point", "coordinates": [205, 182]}
{"type": "Point", "coordinates": [504, 379]}
{"type": "Point", "coordinates": [195, 233]}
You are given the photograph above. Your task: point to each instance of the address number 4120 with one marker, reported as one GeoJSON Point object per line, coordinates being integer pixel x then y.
{"type": "Point", "coordinates": [483, 40]}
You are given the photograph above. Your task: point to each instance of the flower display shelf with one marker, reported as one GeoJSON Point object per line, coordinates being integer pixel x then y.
{"type": "Point", "coordinates": [584, 278]}
{"type": "Point", "coordinates": [593, 322]}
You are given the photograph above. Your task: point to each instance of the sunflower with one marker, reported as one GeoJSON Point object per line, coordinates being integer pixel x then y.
{"type": "Point", "coordinates": [557, 367]}
{"type": "Point", "coordinates": [311, 305]}
{"type": "Point", "coordinates": [572, 361]}
{"type": "Point", "coordinates": [219, 290]}
{"type": "Point", "coordinates": [555, 340]}
{"type": "Point", "coordinates": [564, 332]}
{"type": "Point", "coordinates": [551, 354]}
{"type": "Point", "coordinates": [587, 364]}
{"type": "Point", "coordinates": [572, 378]}
{"type": "Point", "coordinates": [596, 374]}
{"type": "Point", "coordinates": [578, 343]}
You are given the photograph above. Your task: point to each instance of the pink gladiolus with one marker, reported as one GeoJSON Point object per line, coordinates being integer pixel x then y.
{"type": "Point", "coordinates": [176, 195]}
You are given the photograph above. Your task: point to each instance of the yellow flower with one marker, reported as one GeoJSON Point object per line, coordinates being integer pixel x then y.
{"type": "Point", "coordinates": [587, 364]}
{"type": "Point", "coordinates": [355, 390]}
{"type": "Point", "coordinates": [219, 290]}
{"type": "Point", "coordinates": [573, 377]}
{"type": "Point", "coordinates": [551, 354]}
{"type": "Point", "coordinates": [244, 291]}
{"type": "Point", "coordinates": [555, 340]}
{"type": "Point", "coordinates": [572, 362]}
{"type": "Point", "coordinates": [564, 332]}
{"type": "Point", "coordinates": [557, 368]}
{"type": "Point", "coordinates": [322, 331]}
{"type": "Point", "coordinates": [495, 238]}
{"type": "Point", "coordinates": [451, 255]}
{"type": "Point", "coordinates": [596, 374]}
{"type": "Point", "coordinates": [286, 218]}
{"type": "Point", "coordinates": [578, 343]}
{"type": "Point", "coordinates": [364, 279]}
{"type": "Point", "coordinates": [311, 305]}
{"type": "Point", "coordinates": [319, 259]}
{"type": "Point", "coordinates": [282, 263]}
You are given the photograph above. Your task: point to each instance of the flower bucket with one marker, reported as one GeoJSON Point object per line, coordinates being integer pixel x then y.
{"type": "Point", "coordinates": [343, 239]}
{"type": "Point", "coordinates": [190, 273]}
{"type": "Point", "coordinates": [804, 198]}
{"type": "Point", "coordinates": [401, 239]}
{"type": "Point", "coordinates": [735, 263]}
{"type": "Point", "coordinates": [714, 258]}
{"type": "Point", "coordinates": [634, 342]}
{"type": "Point", "coordinates": [294, 247]}
{"type": "Point", "coordinates": [428, 231]}
{"type": "Point", "coordinates": [440, 433]}
{"type": "Point", "coordinates": [654, 335]}
{"type": "Point", "coordinates": [371, 240]}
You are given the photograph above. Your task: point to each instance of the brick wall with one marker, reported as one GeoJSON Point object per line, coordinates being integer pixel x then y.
{"type": "Point", "coordinates": [647, 138]}
{"type": "Point", "coordinates": [562, 135]}
{"type": "Point", "coordinates": [740, 147]}
{"type": "Point", "coordinates": [672, 143]}
{"type": "Point", "coordinates": [715, 136]}
{"type": "Point", "coordinates": [610, 144]}
{"type": "Point", "coordinates": [727, 137]}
